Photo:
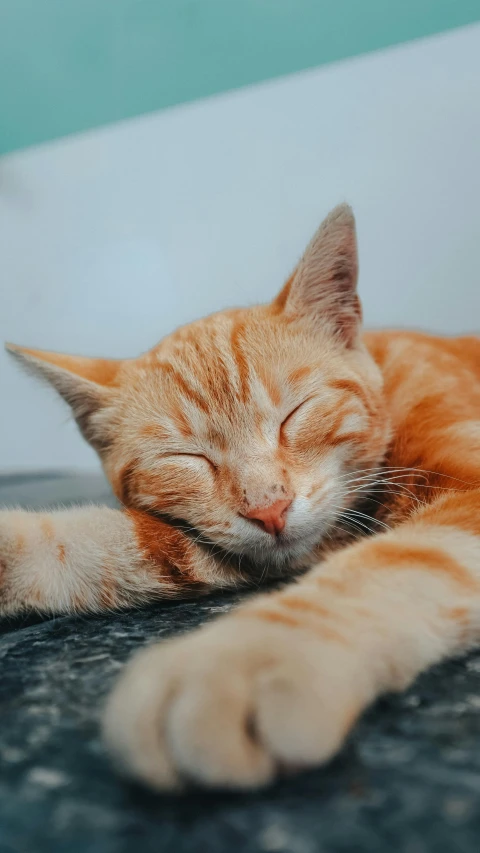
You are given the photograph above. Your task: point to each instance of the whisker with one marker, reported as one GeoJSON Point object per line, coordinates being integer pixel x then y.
{"type": "Point", "coordinates": [396, 481]}
{"type": "Point", "coordinates": [390, 492]}
{"type": "Point", "coordinates": [346, 512]}
{"type": "Point", "coordinates": [369, 518]}
{"type": "Point", "coordinates": [389, 477]}
{"type": "Point", "coordinates": [374, 471]}
{"type": "Point", "coordinates": [357, 526]}
{"type": "Point", "coordinates": [380, 484]}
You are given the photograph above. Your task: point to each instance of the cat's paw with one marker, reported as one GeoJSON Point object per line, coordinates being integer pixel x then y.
{"type": "Point", "coordinates": [232, 705]}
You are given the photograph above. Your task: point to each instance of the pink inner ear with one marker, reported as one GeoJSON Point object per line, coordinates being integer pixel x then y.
{"type": "Point", "coordinates": [323, 287]}
{"type": "Point", "coordinates": [349, 322]}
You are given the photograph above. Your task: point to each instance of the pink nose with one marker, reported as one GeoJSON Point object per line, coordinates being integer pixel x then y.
{"type": "Point", "coordinates": [270, 518]}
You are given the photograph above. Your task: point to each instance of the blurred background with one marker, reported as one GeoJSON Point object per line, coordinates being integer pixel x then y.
{"type": "Point", "coordinates": [162, 159]}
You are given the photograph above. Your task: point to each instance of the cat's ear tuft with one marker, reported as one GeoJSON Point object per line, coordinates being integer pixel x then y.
{"type": "Point", "coordinates": [85, 383]}
{"type": "Point", "coordinates": [324, 284]}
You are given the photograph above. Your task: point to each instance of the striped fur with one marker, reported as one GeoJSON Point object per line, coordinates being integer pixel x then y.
{"type": "Point", "coordinates": [269, 441]}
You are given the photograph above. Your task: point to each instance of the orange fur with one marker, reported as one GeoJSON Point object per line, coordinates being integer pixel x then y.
{"type": "Point", "coordinates": [386, 555]}
{"type": "Point", "coordinates": [326, 632]}
{"type": "Point", "coordinates": [258, 442]}
{"type": "Point", "coordinates": [167, 550]}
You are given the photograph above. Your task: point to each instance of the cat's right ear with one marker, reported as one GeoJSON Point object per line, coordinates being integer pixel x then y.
{"type": "Point", "coordinates": [323, 287]}
{"type": "Point", "coordinates": [87, 385]}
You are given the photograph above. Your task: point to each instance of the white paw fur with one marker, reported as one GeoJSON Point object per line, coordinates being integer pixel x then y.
{"type": "Point", "coordinates": [232, 705]}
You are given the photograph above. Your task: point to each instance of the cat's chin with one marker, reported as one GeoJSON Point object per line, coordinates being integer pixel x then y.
{"type": "Point", "coordinates": [266, 557]}
{"type": "Point", "coordinates": [283, 557]}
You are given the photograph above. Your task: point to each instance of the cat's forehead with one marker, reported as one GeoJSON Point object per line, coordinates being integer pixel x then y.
{"type": "Point", "coordinates": [217, 336]}
{"type": "Point", "coordinates": [216, 369]}
{"type": "Point", "coordinates": [234, 369]}
{"type": "Point", "coordinates": [254, 339]}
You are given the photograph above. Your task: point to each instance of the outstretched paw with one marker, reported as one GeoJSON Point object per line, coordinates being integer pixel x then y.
{"type": "Point", "coordinates": [232, 705]}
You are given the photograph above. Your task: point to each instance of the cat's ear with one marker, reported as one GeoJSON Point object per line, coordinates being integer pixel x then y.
{"type": "Point", "coordinates": [85, 383]}
{"type": "Point", "coordinates": [324, 284]}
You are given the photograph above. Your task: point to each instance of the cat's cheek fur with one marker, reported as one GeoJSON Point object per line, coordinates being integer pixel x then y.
{"type": "Point", "coordinates": [173, 489]}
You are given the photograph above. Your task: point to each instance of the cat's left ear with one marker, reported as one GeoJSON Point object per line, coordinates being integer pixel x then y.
{"type": "Point", "coordinates": [323, 287]}
{"type": "Point", "coordinates": [85, 383]}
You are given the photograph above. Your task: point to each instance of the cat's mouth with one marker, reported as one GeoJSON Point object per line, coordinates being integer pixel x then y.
{"type": "Point", "coordinates": [285, 552]}
{"type": "Point", "coordinates": [276, 555]}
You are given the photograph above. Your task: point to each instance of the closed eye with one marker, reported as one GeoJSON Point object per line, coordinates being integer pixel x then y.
{"type": "Point", "coordinates": [194, 456]}
{"type": "Point", "coordinates": [293, 413]}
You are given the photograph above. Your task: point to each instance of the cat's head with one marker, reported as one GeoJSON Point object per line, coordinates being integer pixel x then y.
{"type": "Point", "coordinates": [245, 426]}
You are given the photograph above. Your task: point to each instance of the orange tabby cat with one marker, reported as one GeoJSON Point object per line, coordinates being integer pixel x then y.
{"type": "Point", "coordinates": [261, 442]}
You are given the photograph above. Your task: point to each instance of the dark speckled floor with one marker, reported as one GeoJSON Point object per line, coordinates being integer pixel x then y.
{"type": "Point", "coordinates": [408, 781]}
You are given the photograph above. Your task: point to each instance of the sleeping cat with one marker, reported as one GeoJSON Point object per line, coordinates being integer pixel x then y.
{"type": "Point", "coordinates": [262, 442]}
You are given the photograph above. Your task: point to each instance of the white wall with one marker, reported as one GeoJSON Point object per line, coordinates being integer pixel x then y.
{"type": "Point", "coordinates": [110, 239]}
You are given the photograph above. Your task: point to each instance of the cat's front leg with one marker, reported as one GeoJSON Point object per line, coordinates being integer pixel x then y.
{"type": "Point", "coordinates": [279, 683]}
{"type": "Point", "coordinates": [94, 558]}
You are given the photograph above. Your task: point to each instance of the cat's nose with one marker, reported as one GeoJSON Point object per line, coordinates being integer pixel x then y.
{"type": "Point", "coordinates": [270, 518]}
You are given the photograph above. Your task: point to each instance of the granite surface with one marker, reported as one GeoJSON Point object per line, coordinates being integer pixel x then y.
{"type": "Point", "coordinates": [407, 781]}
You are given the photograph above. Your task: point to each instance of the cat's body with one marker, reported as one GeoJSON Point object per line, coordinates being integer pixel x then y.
{"type": "Point", "coordinates": [263, 442]}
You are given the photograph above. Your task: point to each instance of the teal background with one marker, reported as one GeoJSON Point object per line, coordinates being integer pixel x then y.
{"type": "Point", "coordinates": [69, 65]}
